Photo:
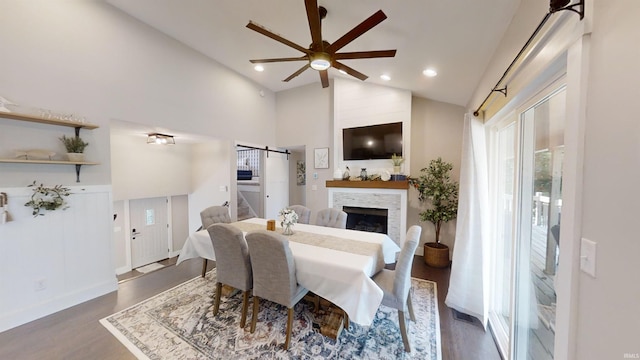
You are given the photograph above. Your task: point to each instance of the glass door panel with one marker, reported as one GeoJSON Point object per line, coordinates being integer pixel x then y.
{"type": "Point", "coordinates": [539, 199]}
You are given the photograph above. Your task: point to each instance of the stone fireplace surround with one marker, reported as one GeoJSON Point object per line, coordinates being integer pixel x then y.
{"type": "Point", "coordinates": [390, 195]}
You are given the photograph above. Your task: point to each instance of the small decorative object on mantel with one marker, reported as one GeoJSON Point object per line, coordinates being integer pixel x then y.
{"type": "Point", "coordinates": [47, 198]}
{"type": "Point", "coordinates": [397, 162]}
{"type": "Point", "coordinates": [363, 173]}
{"type": "Point", "coordinates": [288, 218]}
{"type": "Point", "coordinates": [435, 186]}
{"type": "Point", "coordinates": [75, 148]}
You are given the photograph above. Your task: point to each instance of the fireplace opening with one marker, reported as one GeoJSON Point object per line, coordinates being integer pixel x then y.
{"type": "Point", "coordinates": [366, 219]}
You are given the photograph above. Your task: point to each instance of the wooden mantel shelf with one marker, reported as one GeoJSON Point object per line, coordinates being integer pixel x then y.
{"type": "Point", "coordinates": [376, 184]}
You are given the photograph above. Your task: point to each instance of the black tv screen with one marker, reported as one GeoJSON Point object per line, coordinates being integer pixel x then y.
{"type": "Point", "coordinates": [372, 142]}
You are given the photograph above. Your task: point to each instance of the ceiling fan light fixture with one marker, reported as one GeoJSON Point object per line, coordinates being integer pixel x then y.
{"type": "Point", "coordinates": [320, 61]}
{"type": "Point", "coordinates": [258, 68]}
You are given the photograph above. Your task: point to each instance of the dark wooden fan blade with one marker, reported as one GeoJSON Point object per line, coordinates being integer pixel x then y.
{"type": "Point", "coordinates": [262, 30]}
{"type": "Point", "coordinates": [263, 61]}
{"type": "Point", "coordinates": [365, 54]}
{"type": "Point", "coordinates": [314, 23]}
{"type": "Point", "coordinates": [300, 71]}
{"type": "Point", "coordinates": [362, 28]}
{"type": "Point", "coordinates": [324, 78]}
{"type": "Point", "coordinates": [340, 66]}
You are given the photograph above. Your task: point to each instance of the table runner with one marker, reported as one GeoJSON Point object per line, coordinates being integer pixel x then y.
{"type": "Point", "coordinates": [327, 241]}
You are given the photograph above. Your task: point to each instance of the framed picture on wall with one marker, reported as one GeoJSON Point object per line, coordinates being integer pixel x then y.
{"type": "Point", "coordinates": [321, 158]}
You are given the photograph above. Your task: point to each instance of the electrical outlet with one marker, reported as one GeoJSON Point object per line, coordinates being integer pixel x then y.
{"type": "Point", "coordinates": [40, 284]}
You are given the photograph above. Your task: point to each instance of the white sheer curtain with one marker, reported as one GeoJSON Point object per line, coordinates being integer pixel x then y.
{"type": "Point", "coordinates": [468, 285]}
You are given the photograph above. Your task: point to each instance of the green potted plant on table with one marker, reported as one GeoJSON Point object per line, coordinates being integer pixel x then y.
{"type": "Point", "coordinates": [75, 148]}
{"type": "Point", "coordinates": [435, 186]}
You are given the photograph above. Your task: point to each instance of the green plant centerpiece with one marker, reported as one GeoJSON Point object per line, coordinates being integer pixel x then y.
{"type": "Point", "coordinates": [75, 147]}
{"type": "Point", "coordinates": [47, 198]}
{"type": "Point", "coordinates": [435, 187]}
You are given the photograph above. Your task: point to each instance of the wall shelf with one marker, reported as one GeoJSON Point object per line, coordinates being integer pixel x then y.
{"type": "Point", "coordinates": [36, 119]}
{"type": "Point", "coordinates": [40, 120]}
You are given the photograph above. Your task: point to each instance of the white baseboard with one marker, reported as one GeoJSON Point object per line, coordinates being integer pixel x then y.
{"type": "Point", "coordinates": [23, 316]}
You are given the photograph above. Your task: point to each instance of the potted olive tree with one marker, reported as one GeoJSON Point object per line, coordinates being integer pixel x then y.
{"type": "Point", "coordinates": [75, 148]}
{"type": "Point", "coordinates": [436, 188]}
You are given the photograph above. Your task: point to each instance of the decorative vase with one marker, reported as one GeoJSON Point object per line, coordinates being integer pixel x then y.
{"type": "Point", "coordinates": [75, 157]}
{"type": "Point", "coordinates": [288, 229]}
{"type": "Point", "coordinates": [396, 169]}
{"type": "Point", "coordinates": [363, 173]}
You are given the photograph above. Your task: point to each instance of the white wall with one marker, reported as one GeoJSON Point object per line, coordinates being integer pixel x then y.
{"type": "Point", "coordinates": [69, 251]}
{"type": "Point", "coordinates": [360, 104]}
{"type": "Point", "coordinates": [305, 117]}
{"type": "Point", "coordinates": [608, 312]}
{"type": "Point", "coordinates": [140, 170]}
{"type": "Point", "coordinates": [436, 131]}
{"type": "Point", "coordinates": [211, 178]}
{"type": "Point", "coordinates": [87, 58]}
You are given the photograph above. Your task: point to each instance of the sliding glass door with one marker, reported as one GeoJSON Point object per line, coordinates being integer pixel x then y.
{"type": "Point", "coordinates": [527, 193]}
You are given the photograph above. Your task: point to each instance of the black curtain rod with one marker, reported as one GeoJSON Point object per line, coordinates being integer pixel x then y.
{"type": "Point", "coordinates": [515, 60]}
{"type": "Point", "coordinates": [555, 6]}
{"type": "Point", "coordinates": [266, 148]}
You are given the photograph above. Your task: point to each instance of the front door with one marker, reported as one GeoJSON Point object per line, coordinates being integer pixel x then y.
{"type": "Point", "coordinates": [149, 231]}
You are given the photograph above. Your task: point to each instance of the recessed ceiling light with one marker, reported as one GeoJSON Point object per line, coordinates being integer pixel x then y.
{"type": "Point", "coordinates": [385, 77]}
{"type": "Point", "coordinates": [430, 72]}
{"type": "Point", "coordinates": [258, 68]}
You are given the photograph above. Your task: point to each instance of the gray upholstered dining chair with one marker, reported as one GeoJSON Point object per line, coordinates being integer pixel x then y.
{"type": "Point", "coordinates": [213, 215]}
{"type": "Point", "coordinates": [304, 213]}
{"type": "Point", "coordinates": [332, 218]}
{"type": "Point", "coordinates": [274, 275]}
{"type": "Point", "coordinates": [233, 265]}
{"type": "Point", "coordinates": [396, 284]}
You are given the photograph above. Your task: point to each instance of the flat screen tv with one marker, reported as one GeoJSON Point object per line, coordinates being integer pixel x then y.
{"type": "Point", "coordinates": [372, 142]}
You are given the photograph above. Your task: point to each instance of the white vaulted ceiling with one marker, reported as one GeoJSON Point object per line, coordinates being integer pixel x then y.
{"type": "Point", "coordinates": [455, 37]}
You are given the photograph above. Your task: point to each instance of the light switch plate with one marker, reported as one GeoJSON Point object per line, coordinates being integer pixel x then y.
{"type": "Point", "coordinates": [588, 256]}
{"type": "Point", "coordinates": [314, 187]}
{"type": "Point", "coordinates": [223, 188]}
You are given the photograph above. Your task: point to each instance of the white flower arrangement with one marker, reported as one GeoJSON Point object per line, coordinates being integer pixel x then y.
{"type": "Point", "coordinates": [288, 217]}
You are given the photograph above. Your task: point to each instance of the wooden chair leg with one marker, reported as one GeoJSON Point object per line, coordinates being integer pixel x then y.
{"type": "Point", "coordinates": [245, 306]}
{"type": "Point", "coordinates": [412, 315]}
{"type": "Point", "coordinates": [254, 317]}
{"type": "Point", "coordinates": [346, 320]}
{"type": "Point", "coordinates": [403, 331]}
{"type": "Point", "coordinates": [289, 325]}
{"type": "Point", "coordinates": [216, 304]}
{"type": "Point", "coordinates": [204, 267]}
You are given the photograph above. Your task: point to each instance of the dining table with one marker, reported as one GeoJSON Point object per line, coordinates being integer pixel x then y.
{"type": "Point", "coordinates": [335, 264]}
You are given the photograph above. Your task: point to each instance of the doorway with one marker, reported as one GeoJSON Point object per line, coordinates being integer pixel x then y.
{"type": "Point", "coordinates": [528, 147]}
{"type": "Point", "coordinates": [149, 231]}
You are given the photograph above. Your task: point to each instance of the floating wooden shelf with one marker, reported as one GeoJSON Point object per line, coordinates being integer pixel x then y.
{"type": "Point", "coordinates": [56, 162]}
{"type": "Point", "coordinates": [37, 119]}
{"type": "Point", "coordinates": [401, 184]}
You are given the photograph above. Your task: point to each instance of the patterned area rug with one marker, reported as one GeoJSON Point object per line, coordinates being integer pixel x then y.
{"type": "Point", "coordinates": [178, 324]}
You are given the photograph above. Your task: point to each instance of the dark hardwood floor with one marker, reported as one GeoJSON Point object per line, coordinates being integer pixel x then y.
{"type": "Point", "coordinates": [75, 333]}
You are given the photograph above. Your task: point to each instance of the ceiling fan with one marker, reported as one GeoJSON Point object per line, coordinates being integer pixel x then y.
{"type": "Point", "coordinates": [321, 55]}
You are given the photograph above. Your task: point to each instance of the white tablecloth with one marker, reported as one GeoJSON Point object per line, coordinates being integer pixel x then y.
{"type": "Point", "coordinates": [341, 277]}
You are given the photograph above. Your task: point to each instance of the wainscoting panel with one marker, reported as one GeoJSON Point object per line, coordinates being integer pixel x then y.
{"type": "Point", "coordinates": [51, 262]}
